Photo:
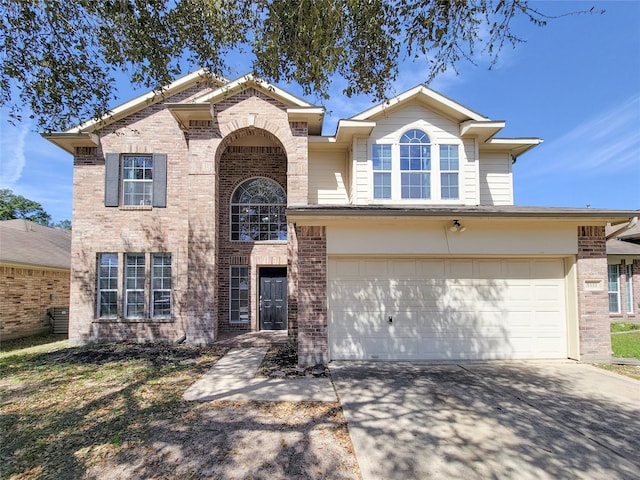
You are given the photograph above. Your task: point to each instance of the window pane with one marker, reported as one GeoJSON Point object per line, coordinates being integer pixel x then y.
{"type": "Point", "coordinates": [381, 157]}
{"type": "Point", "coordinates": [449, 157]}
{"type": "Point", "coordinates": [134, 285]}
{"type": "Point", "coordinates": [161, 285]}
{"type": "Point", "coordinates": [107, 285]}
{"type": "Point", "coordinates": [614, 289]}
{"type": "Point", "coordinates": [259, 205]}
{"type": "Point", "coordinates": [629, 288]}
{"type": "Point", "coordinates": [449, 186]}
{"type": "Point", "coordinates": [239, 294]}
{"type": "Point", "coordinates": [137, 179]}
{"type": "Point", "coordinates": [382, 185]}
{"type": "Point", "coordinates": [416, 185]}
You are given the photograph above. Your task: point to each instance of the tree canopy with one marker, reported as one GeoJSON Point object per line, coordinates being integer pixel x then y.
{"type": "Point", "coordinates": [14, 206]}
{"type": "Point", "coordinates": [58, 58]}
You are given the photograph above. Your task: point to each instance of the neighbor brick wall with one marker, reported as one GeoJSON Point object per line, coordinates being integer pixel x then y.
{"type": "Point", "coordinates": [312, 295]}
{"type": "Point", "coordinates": [593, 305]}
{"type": "Point", "coordinates": [625, 315]}
{"type": "Point", "coordinates": [27, 294]}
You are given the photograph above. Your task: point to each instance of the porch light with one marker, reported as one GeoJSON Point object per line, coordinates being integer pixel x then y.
{"type": "Point", "coordinates": [457, 227]}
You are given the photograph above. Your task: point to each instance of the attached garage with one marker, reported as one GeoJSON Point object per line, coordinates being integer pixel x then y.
{"type": "Point", "coordinates": [446, 308]}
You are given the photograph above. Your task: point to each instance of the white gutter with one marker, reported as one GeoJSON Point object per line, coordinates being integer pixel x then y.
{"type": "Point", "coordinates": [632, 223]}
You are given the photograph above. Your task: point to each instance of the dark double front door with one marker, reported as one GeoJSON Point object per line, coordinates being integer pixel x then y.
{"type": "Point", "coordinates": [273, 298]}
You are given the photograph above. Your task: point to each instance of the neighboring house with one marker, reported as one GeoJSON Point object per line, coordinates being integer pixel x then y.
{"type": "Point", "coordinates": [219, 207]}
{"type": "Point", "coordinates": [34, 276]}
{"type": "Point", "coordinates": [623, 255]}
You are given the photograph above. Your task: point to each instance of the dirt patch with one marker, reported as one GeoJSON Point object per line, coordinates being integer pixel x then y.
{"type": "Point", "coordinates": [116, 411]}
{"type": "Point", "coordinates": [281, 361]}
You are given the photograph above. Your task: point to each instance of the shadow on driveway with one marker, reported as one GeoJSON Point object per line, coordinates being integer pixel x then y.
{"type": "Point", "coordinates": [492, 420]}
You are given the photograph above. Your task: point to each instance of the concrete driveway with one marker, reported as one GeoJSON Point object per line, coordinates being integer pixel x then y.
{"type": "Point", "coordinates": [524, 420]}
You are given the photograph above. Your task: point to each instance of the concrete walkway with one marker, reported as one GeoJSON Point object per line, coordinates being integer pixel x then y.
{"type": "Point", "coordinates": [233, 378]}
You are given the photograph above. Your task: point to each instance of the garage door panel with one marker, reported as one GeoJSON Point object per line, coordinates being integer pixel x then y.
{"type": "Point", "coordinates": [464, 317]}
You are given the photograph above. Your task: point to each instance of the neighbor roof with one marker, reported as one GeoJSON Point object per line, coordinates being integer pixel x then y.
{"type": "Point", "coordinates": [627, 243]}
{"type": "Point", "coordinates": [28, 243]}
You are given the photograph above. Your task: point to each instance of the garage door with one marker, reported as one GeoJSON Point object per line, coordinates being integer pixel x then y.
{"type": "Point", "coordinates": [390, 308]}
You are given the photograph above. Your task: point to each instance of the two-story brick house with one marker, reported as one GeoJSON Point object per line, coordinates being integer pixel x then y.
{"type": "Point", "coordinates": [220, 207]}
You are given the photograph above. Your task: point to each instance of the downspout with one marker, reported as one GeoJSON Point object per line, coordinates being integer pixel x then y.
{"type": "Point", "coordinates": [632, 223]}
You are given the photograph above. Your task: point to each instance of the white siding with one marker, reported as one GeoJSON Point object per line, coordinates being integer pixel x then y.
{"type": "Point", "coordinates": [327, 178]}
{"type": "Point", "coordinates": [496, 182]}
{"type": "Point", "coordinates": [361, 177]}
{"type": "Point", "coordinates": [440, 130]}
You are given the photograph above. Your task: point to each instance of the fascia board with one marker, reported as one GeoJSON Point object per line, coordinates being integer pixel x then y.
{"type": "Point", "coordinates": [241, 82]}
{"type": "Point", "coordinates": [68, 141]}
{"type": "Point", "coordinates": [143, 101]}
{"type": "Point", "coordinates": [431, 97]}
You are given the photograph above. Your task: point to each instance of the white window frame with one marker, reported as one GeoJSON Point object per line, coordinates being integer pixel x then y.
{"type": "Point", "coordinates": [449, 171]}
{"type": "Point", "coordinates": [435, 172]}
{"type": "Point", "coordinates": [134, 283]}
{"type": "Point", "coordinates": [269, 214]}
{"type": "Point", "coordinates": [613, 282]}
{"type": "Point", "coordinates": [629, 287]}
{"type": "Point", "coordinates": [242, 275]}
{"type": "Point", "coordinates": [146, 182]}
{"type": "Point", "coordinates": [161, 282]}
{"type": "Point", "coordinates": [111, 278]}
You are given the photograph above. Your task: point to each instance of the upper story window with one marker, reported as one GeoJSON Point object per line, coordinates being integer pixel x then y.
{"type": "Point", "coordinates": [415, 165]}
{"type": "Point", "coordinates": [133, 180]}
{"type": "Point", "coordinates": [258, 211]}
{"type": "Point", "coordinates": [137, 179]}
{"type": "Point", "coordinates": [415, 169]}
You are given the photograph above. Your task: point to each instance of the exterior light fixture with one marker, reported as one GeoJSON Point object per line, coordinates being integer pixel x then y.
{"type": "Point", "coordinates": [457, 227]}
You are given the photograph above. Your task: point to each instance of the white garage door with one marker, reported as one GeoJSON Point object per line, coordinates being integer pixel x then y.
{"type": "Point", "coordinates": [389, 308]}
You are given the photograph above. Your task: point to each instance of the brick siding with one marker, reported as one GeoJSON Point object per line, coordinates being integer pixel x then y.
{"type": "Point", "coordinates": [27, 294]}
{"type": "Point", "coordinates": [312, 295]}
{"type": "Point", "coordinates": [593, 305]}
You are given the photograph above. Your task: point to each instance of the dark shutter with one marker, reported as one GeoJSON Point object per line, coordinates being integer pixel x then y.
{"type": "Point", "coordinates": [111, 179]}
{"type": "Point", "coordinates": [159, 179]}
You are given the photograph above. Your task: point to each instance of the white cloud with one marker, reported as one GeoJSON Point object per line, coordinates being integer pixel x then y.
{"type": "Point", "coordinates": [608, 140]}
{"type": "Point", "coordinates": [12, 144]}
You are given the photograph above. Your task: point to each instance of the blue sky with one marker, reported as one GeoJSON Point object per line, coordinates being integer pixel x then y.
{"type": "Point", "coordinates": [575, 83]}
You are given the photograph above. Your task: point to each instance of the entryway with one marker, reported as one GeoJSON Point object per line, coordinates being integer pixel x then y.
{"type": "Point", "coordinates": [273, 298]}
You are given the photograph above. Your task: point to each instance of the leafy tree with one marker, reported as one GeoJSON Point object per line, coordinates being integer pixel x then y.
{"type": "Point", "coordinates": [59, 57]}
{"type": "Point", "coordinates": [62, 224]}
{"type": "Point", "coordinates": [16, 206]}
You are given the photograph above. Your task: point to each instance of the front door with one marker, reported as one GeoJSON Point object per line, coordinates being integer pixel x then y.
{"type": "Point", "coordinates": [273, 298]}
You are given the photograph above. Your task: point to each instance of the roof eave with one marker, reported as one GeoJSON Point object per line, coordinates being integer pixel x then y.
{"type": "Point", "coordinates": [69, 141]}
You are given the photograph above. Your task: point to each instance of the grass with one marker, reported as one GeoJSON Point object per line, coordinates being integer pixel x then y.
{"type": "Point", "coordinates": [626, 345]}
{"type": "Point", "coordinates": [62, 408]}
{"type": "Point", "coordinates": [624, 327]}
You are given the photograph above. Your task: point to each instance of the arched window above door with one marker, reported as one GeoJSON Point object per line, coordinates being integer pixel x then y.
{"type": "Point", "coordinates": [258, 211]}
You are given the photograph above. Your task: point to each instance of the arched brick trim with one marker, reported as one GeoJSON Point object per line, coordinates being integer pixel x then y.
{"type": "Point", "coordinates": [282, 139]}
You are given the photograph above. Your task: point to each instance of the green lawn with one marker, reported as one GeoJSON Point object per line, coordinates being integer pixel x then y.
{"type": "Point", "coordinates": [625, 327]}
{"type": "Point", "coordinates": [626, 345]}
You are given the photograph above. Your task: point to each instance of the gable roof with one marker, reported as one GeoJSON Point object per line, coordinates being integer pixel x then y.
{"type": "Point", "coordinates": [28, 243]}
{"type": "Point", "coordinates": [430, 98]}
{"type": "Point", "coordinates": [626, 243]}
{"type": "Point", "coordinates": [201, 108]}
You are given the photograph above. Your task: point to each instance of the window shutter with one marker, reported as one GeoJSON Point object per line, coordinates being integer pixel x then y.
{"type": "Point", "coordinates": [111, 179]}
{"type": "Point", "coordinates": [160, 180]}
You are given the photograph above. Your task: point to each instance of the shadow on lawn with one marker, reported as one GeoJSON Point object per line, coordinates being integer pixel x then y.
{"type": "Point", "coordinates": [116, 411]}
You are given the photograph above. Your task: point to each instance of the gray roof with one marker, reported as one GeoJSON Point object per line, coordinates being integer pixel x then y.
{"type": "Point", "coordinates": [626, 243]}
{"type": "Point", "coordinates": [29, 243]}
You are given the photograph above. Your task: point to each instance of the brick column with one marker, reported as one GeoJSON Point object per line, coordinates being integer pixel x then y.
{"type": "Point", "coordinates": [593, 304]}
{"type": "Point", "coordinates": [312, 295]}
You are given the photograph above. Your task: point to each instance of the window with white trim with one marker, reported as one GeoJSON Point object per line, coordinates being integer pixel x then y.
{"type": "Point", "coordinates": [415, 169]}
{"type": "Point", "coordinates": [160, 285]}
{"type": "Point", "coordinates": [239, 294]}
{"type": "Point", "coordinates": [107, 295]}
{"type": "Point", "coordinates": [258, 208]}
{"type": "Point", "coordinates": [614, 288]}
{"type": "Point", "coordinates": [137, 179]}
{"type": "Point", "coordinates": [134, 180]}
{"type": "Point", "coordinates": [449, 167]}
{"type": "Point", "coordinates": [629, 288]}
{"type": "Point", "coordinates": [134, 275]}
